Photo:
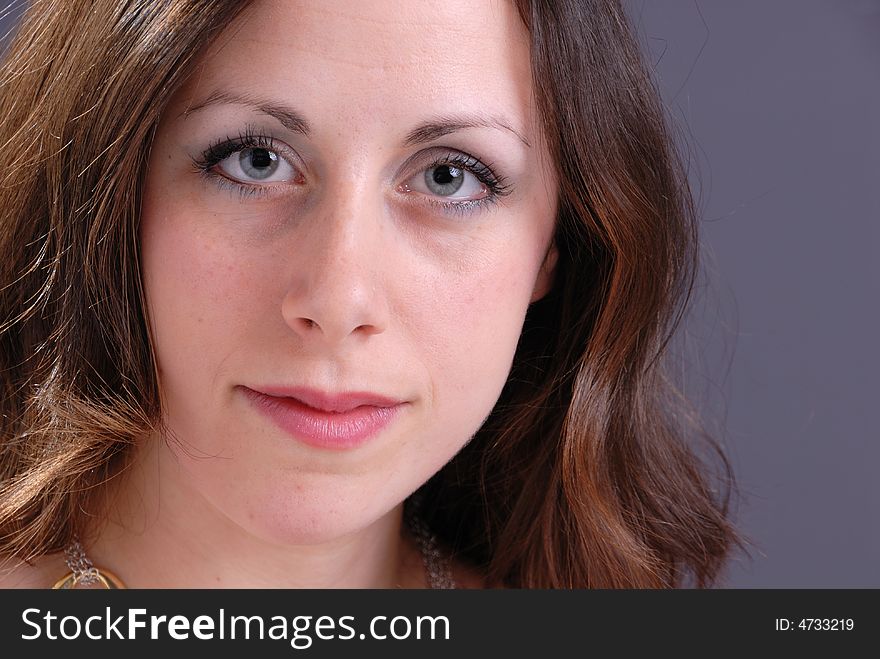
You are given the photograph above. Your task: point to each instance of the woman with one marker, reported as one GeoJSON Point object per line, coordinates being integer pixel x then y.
{"type": "Point", "coordinates": [271, 268]}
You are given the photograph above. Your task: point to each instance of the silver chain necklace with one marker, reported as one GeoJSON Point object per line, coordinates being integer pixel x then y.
{"type": "Point", "coordinates": [436, 563]}
{"type": "Point", "coordinates": [82, 569]}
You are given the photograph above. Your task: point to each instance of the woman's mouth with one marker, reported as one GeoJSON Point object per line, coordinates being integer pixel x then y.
{"type": "Point", "coordinates": [322, 420]}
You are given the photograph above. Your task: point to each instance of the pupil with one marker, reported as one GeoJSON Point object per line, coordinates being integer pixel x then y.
{"type": "Point", "coordinates": [444, 174]}
{"type": "Point", "coordinates": [444, 180]}
{"type": "Point", "coordinates": [261, 158]}
{"type": "Point", "coordinates": [258, 163]}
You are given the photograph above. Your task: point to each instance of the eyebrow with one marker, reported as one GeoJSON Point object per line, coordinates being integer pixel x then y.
{"type": "Point", "coordinates": [294, 121]}
{"type": "Point", "coordinates": [446, 124]}
{"type": "Point", "coordinates": [287, 117]}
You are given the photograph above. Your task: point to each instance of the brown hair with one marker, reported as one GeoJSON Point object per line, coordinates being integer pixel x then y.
{"type": "Point", "coordinates": [581, 477]}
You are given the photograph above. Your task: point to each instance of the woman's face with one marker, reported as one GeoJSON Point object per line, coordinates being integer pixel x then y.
{"type": "Point", "coordinates": [345, 197]}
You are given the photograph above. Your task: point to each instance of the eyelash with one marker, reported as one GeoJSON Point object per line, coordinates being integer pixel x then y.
{"type": "Point", "coordinates": [220, 150]}
{"type": "Point", "coordinates": [250, 139]}
{"type": "Point", "coordinates": [497, 185]}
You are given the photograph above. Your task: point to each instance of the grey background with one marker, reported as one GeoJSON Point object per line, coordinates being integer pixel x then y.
{"type": "Point", "coordinates": [777, 102]}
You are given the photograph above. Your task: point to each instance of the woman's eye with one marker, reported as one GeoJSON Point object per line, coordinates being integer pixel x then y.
{"type": "Point", "coordinates": [256, 165]}
{"type": "Point", "coordinates": [450, 181]}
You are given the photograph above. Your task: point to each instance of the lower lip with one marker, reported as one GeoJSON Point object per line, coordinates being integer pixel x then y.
{"type": "Point", "coordinates": [330, 430]}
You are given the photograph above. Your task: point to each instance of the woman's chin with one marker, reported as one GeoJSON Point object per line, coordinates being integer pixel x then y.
{"type": "Point", "coordinates": [312, 522]}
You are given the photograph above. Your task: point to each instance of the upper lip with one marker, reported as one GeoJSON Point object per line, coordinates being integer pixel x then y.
{"type": "Point", "coordinates": [343, 401]}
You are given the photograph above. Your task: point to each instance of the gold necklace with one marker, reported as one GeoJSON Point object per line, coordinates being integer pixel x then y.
{"type": "Point", "coordinates": [83, 572]}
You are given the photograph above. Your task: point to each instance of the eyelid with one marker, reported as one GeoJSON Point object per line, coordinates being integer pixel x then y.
{"type": "Point", "coordinates": [206, 165]}
{"type": "Point", "coordinates": [252, 138]}
{"type": "Point", "coordinates": [416, 182]}
{"type": "Point", "coordinates": [485, 172]}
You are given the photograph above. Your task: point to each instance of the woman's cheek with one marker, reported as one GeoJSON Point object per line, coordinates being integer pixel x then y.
{"type": "Point", "coordinates": [475, 330]}
{"type": "Point", "coordinates": [192, 285]}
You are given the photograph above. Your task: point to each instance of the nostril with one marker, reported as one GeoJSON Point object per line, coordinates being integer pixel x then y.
{"type": "Point", "coordinates": [327, 313]}
{"type": "Point", "coordinates": [368, 329]}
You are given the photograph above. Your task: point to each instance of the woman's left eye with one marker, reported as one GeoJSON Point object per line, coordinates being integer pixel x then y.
{"type": "Point", "coordinates": [256, 165]}
{"type": "Point", "coordinates": [449, 181]}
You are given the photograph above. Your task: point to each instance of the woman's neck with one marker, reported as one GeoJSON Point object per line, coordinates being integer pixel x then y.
{"type": "Point", "coordinates": [162, 533]}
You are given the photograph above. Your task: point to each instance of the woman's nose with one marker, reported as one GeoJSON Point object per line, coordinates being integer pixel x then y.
{"type": "Point", "coordinates": [336, 288]}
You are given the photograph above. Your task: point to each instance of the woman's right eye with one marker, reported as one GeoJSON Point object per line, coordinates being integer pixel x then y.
{"type": "Point", "coordinates": [256, 165]}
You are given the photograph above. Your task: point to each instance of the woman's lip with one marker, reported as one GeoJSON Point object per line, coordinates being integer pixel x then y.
{"type": "Point", "coordinates": [320, 400]}
{"type": "Point", "coordinates": [320, 428]}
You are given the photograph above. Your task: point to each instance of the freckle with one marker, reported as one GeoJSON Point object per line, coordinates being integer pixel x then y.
{"type": "Point", "coordinates": [201, 320]}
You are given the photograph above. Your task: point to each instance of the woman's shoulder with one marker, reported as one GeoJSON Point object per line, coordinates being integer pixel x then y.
{"type": "Point", "coordinates": [43, 572]}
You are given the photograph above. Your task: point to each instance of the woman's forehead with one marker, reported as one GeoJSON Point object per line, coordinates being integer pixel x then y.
{"type": "Point", "coordinates": [375, 34]}
{"type": "Point", "coordinates": [385, 60]}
